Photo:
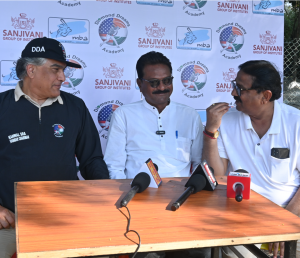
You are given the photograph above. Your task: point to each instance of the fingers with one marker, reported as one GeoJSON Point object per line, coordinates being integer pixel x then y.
{"type": "Point", "coordinates": [4, 223]}
{"type": "Point", "coordinates": [281, 249]}
{"type": "Point", "coordinates": [218, 105]}
{"type": "Point", "coordinates": [11, 219]}
{"type": "Point", "coordinates": [214, 115]}
{"type": "Point", "coordinates": [7, 218]}
{"type": "Point", "coordinates": [218, 108]}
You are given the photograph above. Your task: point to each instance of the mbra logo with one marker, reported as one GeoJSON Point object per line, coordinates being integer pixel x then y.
{"type": "Point", "coordinates": [38, 49]}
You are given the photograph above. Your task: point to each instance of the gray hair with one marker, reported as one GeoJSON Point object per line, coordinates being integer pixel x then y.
{"type": "Point", "coordinates": [24, 61]}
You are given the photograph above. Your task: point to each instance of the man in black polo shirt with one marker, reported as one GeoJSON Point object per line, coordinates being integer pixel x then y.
{"type": "Point", "coordinates": [42, 129]}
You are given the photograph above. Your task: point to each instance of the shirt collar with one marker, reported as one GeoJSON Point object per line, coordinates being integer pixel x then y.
{"type": "Point", "coordinates": [152, 108]}
{"type": "Point", "coordinates": [19, 93]}
{"type": "Point", "coordinates": [276, 120]}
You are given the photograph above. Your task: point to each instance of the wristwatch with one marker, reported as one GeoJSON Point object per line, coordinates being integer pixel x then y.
{"type": "Point", "coordinates": [214, 135]}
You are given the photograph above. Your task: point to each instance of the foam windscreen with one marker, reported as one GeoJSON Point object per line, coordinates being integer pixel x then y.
{"type": "Point", "coordinates": [142, 180]}
{"type": "Point", "coordinates": [197, 181]}
{"type": "Point", "coordinates": [241, 170]}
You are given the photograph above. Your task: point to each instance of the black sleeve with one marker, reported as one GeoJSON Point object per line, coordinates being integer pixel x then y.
{"type": "Point", "coordinates": [88, 149]}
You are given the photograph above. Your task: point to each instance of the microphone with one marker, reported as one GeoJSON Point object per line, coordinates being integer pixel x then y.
{"type": "Point", "coordinates": [139, 184]}
{"type": "Point", "coordinates": [195, 184]}
{"type": "Point", "coordinates": [208, 173]}
{"type": "Point", "coordinates": [152, 170]}
{"type": "Point", "coordinates": [238, 185]}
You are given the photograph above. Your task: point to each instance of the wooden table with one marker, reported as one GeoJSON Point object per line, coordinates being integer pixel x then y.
{"type": "Point", "coordinates": [81, 218]}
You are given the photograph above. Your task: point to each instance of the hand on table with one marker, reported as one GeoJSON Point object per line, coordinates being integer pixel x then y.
{"type": "Point", "coordinates": [214, 115]}
{"type": "Point", "coordinates": [275, 251]}
{"type": "Point", "coordinates": [7, 218]}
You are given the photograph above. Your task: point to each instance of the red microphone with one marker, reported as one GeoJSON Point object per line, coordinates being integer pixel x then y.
{"type": "Point", "coordinates": [238, 185]}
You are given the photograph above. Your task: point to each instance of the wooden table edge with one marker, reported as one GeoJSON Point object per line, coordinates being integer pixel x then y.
{"type": "Point", "coordinates": [110, 250]}
{"type": "Point", "coordinates": [16, 218]}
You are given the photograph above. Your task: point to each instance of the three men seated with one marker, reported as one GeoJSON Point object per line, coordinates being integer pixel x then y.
{"type": "Point", "coordinates": [260, 135]}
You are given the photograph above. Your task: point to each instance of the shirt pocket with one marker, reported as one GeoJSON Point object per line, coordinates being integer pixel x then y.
{"type": "Point", "coordinates": [280, 169]}
{"type": "Point", "coordinates": [183, 149]}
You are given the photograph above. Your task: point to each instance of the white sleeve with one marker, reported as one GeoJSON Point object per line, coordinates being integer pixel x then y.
{"type": "Point", "coordinates": [197, 144]}
{"type": "Point", "coordinates": [115, 153]}
{"type": "Point", "coordinates": [221, 148]}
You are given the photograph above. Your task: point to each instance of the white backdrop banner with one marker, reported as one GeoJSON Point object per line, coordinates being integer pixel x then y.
{"type": "Point", "coordinates": [205, 41]}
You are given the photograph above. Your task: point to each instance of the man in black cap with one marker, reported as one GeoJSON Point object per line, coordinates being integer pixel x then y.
{"type": "Point", "coordinates": [42, 129]}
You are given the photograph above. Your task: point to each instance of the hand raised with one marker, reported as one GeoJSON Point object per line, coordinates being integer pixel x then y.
{"type": "Point", "coordinates": [214, 115]}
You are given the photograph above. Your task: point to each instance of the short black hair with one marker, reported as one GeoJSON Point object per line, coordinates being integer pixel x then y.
{"type": "Point", "coordinates": [151, 58]}
{"type": "Point", "coordinates": [265, 76]}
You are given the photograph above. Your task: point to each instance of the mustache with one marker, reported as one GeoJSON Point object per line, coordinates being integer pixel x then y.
{"type": "Point", "coordinates": [160, 92]}
{"type": "Point", "coordinates": [237, 98]}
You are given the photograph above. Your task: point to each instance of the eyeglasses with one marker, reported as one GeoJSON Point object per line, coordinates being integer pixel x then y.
{"type": "Point", "coordinates": [155, 82]}
{"type": "Point", "coordinates": [238, 89]}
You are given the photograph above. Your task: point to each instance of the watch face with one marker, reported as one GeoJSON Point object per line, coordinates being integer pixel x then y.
{"type": "Point", "coordinates": [216, 134]}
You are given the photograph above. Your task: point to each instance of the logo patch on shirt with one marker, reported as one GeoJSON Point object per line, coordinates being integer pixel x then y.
{"type": "Point", "coordinates": [18, 137]}
{"type": "Point", "coordinates": [58, 130]}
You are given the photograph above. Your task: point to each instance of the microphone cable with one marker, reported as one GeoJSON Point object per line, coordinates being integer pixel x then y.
{"type": "Point", "coordinates": [130, 230]}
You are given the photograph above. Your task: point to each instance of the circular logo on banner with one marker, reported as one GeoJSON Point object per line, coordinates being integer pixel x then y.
{"type": "Point", "coordinates": [231, 39]}
{"type": "Point", "coordinates": [113, 32]}
{"type": "Point", "coordinates": [74, 76]}
{"type": "Point", "coordinates": [193, 78]}
{"type": "Point", "coordinates": [195, 4]}
{"type": "Point", "coordinates": [104, 116]}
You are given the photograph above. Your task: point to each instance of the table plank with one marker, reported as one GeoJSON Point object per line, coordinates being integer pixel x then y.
{"type": "Point", "coordinates": [76, 218]}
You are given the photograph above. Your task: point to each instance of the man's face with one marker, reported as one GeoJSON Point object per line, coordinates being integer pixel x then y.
{"type": "Point", "coordinates": [250, 101]}
{"type": "Point", "coordinates": [157, 97]}
{"type": "Point", "coordinates": [48, 78]}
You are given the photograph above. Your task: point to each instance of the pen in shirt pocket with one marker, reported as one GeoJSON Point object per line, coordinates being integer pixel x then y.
{"type": "Point", "coordinates": [176, 134]}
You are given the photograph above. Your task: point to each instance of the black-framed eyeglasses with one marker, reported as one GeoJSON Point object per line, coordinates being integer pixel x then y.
{"type": "Point", "coordinates": [155, 82]}
{"type": "Point", "coordinates": [238, 89]}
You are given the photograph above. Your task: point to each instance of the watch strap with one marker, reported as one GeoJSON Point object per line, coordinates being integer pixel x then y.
{"type": "Point", "coordinates": [211, 137]}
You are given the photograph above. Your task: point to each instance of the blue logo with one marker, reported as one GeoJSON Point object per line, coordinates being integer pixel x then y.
{"type": "Point", "coordinates": [194, 38]}
{"type": "Point", "coordinates": [8, 73]}
{"type": "Point", "coordinates": [271, 7]}
{"type": "Point", "coordinates": [58, 130]}
{"type": "Point", "coordinates": [231, 39]}
{"type": "Point", "coordinates": [68, 30]}
{"type": "Point", "coordinates": [168, 3]}
{"type": "Point", "coordinates": [113, 32]}
{"type": "Point", "coordinates": [193, 78]}
{"type": "Point", "coordinates": [104, 116]}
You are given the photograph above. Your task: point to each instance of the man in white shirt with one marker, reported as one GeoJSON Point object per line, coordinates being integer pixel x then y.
{"type": "Point", "coordinates": [261, 136]}
{"type": "Point", "coordinates": [167, 132]}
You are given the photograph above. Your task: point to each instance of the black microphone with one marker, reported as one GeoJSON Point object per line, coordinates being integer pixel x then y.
{"type": "Point", "coordinates": [156, 167]}
{"type": "Point", "coordinates": [208, 173]}
{"type": "Point", "coordinates": [238, 192]}
{"type": "Point", "coordinates": [195, 184]}
{"type": "Point", "coordinates": [240, 187]}
{"type": "Point", "coordinates": [139, 184]}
